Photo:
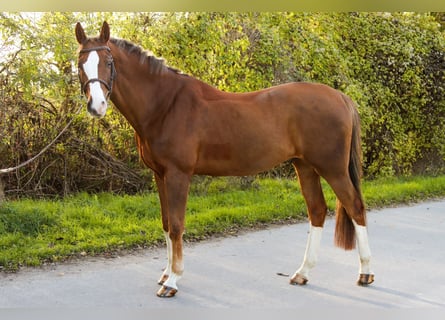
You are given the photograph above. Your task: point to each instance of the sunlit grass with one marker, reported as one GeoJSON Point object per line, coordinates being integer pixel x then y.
{"type": "Point", "coordinates": [37, 231]}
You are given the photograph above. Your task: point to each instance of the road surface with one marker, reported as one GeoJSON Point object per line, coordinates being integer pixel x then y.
{"type": "Point", "coordinates": [407, 244]}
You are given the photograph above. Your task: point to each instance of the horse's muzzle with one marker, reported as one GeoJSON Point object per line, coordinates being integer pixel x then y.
{"type": "Point", "coordinates": [96, 110]}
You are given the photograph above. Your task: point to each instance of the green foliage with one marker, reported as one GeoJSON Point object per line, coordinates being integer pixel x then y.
{"type": "Point", "coordinates": [391, 64]}
{"type": "Point", "coordinates": [400, 59]}
{"type": "Point", "coordinates": [39, 95]}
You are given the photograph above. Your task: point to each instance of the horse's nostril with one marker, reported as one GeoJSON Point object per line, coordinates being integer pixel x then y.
{"type": "Point", "coordinates": [89, 104]}
{"type": "Point", "coordinates": [90, 108]}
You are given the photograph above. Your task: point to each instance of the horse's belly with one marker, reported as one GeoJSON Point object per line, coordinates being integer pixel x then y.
{"type": "Point", "coordinates": [229, 160]}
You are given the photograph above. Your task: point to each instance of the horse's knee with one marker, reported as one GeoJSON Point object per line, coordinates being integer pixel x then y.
{"type": "Point", "coordinates": [175, 231]}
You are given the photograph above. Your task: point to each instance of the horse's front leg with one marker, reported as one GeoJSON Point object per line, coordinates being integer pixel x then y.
{"type": "Point", "coordinates": [176, 187]}
{"type": "Point", "coordinates": [164, 213]}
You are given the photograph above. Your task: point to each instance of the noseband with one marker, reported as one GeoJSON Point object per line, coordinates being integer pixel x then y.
{"type": "Point", "coordinates": [108, 85]}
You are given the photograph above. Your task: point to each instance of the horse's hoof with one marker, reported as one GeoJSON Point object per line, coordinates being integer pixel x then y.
{"type": "Point", "coordinates": [166, 292]}
{"type": "Point", "coordinates": [162, 280]}
{"type": "Point", "coordinates": [298, 280]}
{"type": "Point", "coordinates": [365, 279]}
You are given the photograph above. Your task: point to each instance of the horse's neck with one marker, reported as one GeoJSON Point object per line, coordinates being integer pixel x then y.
{"type": "Point", "coordinates": [137, 94]}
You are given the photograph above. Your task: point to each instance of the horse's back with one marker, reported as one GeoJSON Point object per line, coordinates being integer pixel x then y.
{"type": "Point", "coordinates": [241, 134]}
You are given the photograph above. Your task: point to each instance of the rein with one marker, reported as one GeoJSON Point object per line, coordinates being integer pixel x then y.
{"type": "Point", "coordinates": [107, 85]}
{"type": "Point", "coordinates": [7, 170]}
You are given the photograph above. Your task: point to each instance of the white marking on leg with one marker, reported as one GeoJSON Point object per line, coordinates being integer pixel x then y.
{"type": "Point", "coordinates": [171, 281]}
{"type": "Point", "coordinates": [90, 67]}
{"type": "Point", "coordinates": [168, 274]}
{"type": "Point", "coordinates": [363, 248]}
{"type": "Point", "coordinates": [311, 253]}
{"type": "Point", "coordinates": [168, 270]}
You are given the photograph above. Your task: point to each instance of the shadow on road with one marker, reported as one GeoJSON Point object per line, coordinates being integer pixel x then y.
{"type": "Point", "coordinates": [376, 291]}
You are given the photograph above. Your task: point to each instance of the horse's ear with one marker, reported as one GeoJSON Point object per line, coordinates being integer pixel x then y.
{"type": "Point", "coordinates": [105, 32]}
{"type": "Point", "coordinates": [80, 33]}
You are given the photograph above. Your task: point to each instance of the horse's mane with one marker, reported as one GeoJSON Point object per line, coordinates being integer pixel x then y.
{"type": "Point", "coordinates": [156, 65]}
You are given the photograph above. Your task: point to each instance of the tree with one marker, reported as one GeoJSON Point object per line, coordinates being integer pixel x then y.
{"type": "Point", "coordinates": [391, 64]}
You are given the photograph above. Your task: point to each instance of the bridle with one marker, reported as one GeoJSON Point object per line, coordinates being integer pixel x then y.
{"type": "Point", "coordinates": [108, 85]}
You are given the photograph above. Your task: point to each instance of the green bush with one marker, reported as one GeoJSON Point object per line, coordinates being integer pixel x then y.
{"type": "Point", "coordinates": [391, 64]}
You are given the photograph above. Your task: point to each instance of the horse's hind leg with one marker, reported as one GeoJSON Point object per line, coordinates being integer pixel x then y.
{"type": "Point", "coordinates": [350, 209]}
{"type": "Point", "coordinates": [316, 206]}
{"type": "Point", "coordinates": [365, 275]}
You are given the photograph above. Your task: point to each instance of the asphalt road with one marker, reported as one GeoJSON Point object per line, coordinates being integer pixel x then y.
{"type": "Point", "coordinates": [407, 244]}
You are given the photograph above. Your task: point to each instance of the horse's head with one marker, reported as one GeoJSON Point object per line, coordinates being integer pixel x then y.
{"type": "Point", "coordinates": [96, 69]}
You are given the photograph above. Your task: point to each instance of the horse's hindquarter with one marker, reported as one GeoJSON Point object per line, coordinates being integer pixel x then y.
{"type": "Point", "coordinates": [242, 134]}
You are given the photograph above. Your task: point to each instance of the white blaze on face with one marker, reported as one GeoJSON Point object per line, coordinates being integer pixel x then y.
{"type": "Point", "coordinates": [97, 105]}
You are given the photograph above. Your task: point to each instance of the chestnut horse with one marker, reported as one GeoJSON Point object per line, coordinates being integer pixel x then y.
{"type": "Point", "coordinates": [185, 127]}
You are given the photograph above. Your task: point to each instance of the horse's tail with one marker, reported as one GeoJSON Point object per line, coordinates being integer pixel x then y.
{"type": "Point", "coordinates": [344, 229]}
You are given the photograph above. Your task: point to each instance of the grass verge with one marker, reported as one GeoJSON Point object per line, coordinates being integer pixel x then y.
{"type": "Point", "coordinates": [33, 232]}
